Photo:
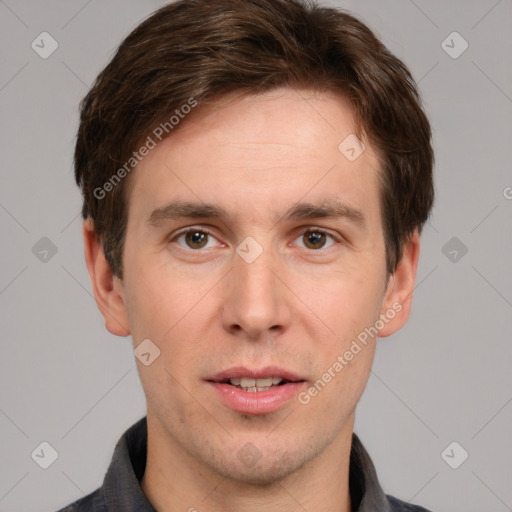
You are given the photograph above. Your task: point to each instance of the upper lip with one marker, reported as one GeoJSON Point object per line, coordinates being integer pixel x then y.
{"type": "Point", "coordinates": [242, 371]}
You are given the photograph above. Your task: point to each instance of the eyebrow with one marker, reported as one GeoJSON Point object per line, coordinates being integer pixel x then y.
{"type": "Point", "coordinates": [176, 210]}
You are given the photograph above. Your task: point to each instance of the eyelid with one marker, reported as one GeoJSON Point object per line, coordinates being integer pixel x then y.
{"type": "Point", "coordinates": [190, 228]}
{"type": "Point", "coordinates": [314, 229]}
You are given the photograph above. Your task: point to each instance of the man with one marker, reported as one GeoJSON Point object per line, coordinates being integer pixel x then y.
{"type": "Point", "coordinates": [255, 177]}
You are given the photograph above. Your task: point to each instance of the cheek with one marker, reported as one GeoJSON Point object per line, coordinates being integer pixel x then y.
{"type": "Point", "coordinates": [158, 298]}
{"type": "Point", "coordinates": [348, 306]}
{"type": "Point", "coordinates": [164, 390]}
{"type": "Point", "coordinates": [163, 307]}
{"type": "Point", "coordinates": [348, 302]}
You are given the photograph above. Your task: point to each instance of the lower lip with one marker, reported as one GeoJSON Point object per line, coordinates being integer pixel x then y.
{"type": "Point", "coordinates": [256, 402]}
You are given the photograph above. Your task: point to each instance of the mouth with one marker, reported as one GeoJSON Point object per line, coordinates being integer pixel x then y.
{"type": "Point", "coordinates": [256, 391]}
{"type": "Point", "coordinates": [252, 380]}
{"type": "Point", "coordinates": [252, 385]}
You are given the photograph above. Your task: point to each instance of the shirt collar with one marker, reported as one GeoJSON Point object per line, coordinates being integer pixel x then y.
{"type": "Point", "coordinates": [121, 487]}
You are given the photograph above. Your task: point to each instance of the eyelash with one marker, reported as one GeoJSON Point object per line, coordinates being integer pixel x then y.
{"type": "Point", "coordinates": [209, 233]}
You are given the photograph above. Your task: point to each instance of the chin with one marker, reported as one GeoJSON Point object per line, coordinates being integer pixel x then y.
{"type": "Point", "coordinates": [262, 476]}
{"type": "Point", "coordinates": [270, 469]}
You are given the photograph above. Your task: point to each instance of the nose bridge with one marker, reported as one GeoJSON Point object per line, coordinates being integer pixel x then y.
{"type": "Point", "coordinates": [255, 277]}
{"type": "Point", "coordinates": [255, 303]}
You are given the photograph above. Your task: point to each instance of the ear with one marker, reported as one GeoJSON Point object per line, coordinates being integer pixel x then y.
{"type": "Point", "coordinates": [396, 306]}
{"type": "Point", "coordinates": [107, 288]}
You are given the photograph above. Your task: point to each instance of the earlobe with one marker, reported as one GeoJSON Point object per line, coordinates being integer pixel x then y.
{"type": "Point", "coordinates": [397, 302]}
{"type": "Point", "coordinates": [106, 287]}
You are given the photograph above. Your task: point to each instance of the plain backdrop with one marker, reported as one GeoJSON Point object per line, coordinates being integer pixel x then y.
{"type": "Point", "coordinates": [445, 377]}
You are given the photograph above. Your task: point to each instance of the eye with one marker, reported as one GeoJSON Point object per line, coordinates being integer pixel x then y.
{"type": "Point", "coordinates": [195, 238]}
{"type": "Point", "coordinates": [314, 239]}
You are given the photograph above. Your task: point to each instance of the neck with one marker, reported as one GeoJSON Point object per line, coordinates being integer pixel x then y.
{"type": "Point", "coordinates": [175, 481]}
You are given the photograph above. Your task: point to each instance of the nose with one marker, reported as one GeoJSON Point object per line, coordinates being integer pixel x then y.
{"type": "Point", "coordinates": [255, 302]}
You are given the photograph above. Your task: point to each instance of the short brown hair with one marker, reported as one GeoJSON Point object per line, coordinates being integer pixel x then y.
{"type": "Point", "coordinates": [198, 50]}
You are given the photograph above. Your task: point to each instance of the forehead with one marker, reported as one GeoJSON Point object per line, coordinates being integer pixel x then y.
{"type": "Point", "coordinates": [258, 154]}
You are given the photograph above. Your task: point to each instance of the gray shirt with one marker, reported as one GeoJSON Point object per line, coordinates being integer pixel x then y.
{"type": "Point", "coordinates": [121, 489]}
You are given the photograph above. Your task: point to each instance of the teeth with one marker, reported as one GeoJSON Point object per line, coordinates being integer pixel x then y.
{"type": "Point", "coordinates": [264, 383]}
{"type": "Point", "coordinates": [247, 382]}
{"type": "Point", "coordinates": [254, 384]}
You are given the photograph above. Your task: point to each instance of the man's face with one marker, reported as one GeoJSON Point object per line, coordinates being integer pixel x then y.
{"type": "Point", "coordinates": [256, 287]}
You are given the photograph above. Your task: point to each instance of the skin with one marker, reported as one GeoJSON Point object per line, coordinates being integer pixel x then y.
{"type": "Point", "coordinates": [295, 306]}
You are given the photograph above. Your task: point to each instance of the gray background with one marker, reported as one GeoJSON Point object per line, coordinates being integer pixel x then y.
{"type": "Point", "coordinates": [444, 377]}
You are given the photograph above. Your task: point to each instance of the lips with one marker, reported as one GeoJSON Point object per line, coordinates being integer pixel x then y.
{"type": "Point", "coordinates": [243, 377]}
{"type": "Point", "coordinates": [248, 391]}
{"type": "Point", "coordinates": [241, 372]}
